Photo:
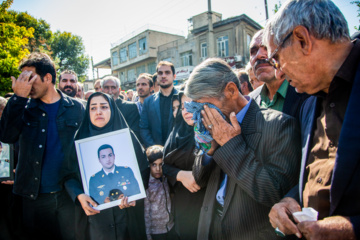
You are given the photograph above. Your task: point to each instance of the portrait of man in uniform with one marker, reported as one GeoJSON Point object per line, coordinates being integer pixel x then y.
{"type": "Point", "coordinates": [111, 180]}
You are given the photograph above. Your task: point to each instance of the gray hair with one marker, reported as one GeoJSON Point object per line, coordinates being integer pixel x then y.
{"type": "Point", "coordinates": [112, 78]}
{"type": "Point", "coordinates": [322, 18]}
{"type": "Point", "coordinates": [209, 79]}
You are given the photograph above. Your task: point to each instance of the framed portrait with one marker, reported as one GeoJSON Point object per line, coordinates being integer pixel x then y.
{"type": "Point", "coordinates": [109, 168]}
{"type": "Point", "coordinates": [6, 161]}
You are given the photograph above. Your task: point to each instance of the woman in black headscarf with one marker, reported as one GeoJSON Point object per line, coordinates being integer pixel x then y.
{"type": "Point", "coordinates": [102, 116]}
{"type": "Point", "coordinates": [179, 158]}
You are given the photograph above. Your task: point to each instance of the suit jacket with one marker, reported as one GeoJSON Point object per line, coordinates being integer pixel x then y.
{"type": "Point", "coordinates": [150, 124]}
{"type": "Point", "coordinates": [262, 164]}
{"type": "Point", "coordinates": [131, 114]}
{"type": "Point", "coordinates": [345, 190]}
{"type": "Point", "coordinates": [293, 100]}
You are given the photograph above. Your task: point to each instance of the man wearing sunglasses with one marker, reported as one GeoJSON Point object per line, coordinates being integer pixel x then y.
{"type": "Point", "coordinates": [309, 42]}
{"type": "Point", "coordinates": [276, 92]}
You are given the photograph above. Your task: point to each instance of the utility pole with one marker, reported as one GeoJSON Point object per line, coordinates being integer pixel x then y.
{"type": "Point", "coordinates": [211, 44]}
{"type": "Point", "coordinates": [92, 65]}
{"type": "Point", "coordinates": [266, 10]}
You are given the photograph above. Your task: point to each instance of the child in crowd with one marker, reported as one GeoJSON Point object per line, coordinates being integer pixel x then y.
{"type": "Point", "coordinates": [158, 218]}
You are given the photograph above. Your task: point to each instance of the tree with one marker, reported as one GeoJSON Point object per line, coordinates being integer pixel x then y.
{"type": "Point", "coordinates": [357, 3]}
{"type": "Point", "coordinates": [42, 33]}
{"type": "Point", "coordinates": [69, 52]}
{"type": "Point", "coordinates": [277, 7]}
{"type": "Point", "coordinates": [13, 41]}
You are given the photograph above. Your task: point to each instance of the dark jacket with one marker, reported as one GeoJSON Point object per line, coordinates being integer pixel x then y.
{"type": "Point", "coordinates": [150, 124]}
{"type": "Point", "coordinates": [262, 164]}
{"type": "Point", "coordinates": [25, 120]}
{"type": "Point", "coordinates": [131, 114]}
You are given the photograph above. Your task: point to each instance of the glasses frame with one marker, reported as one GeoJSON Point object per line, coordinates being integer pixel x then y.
{"type": "Point", "coordinates": [274, 63]}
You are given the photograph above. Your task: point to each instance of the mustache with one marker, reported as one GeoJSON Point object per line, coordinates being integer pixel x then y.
{"type": "Point", "coordinates": [260, 61]}
{"type": "Point", "coordinates": [69, 88]}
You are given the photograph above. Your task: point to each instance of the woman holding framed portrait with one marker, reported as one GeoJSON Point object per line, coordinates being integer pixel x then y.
{"type": "Point", "coordinates": [127, 220]}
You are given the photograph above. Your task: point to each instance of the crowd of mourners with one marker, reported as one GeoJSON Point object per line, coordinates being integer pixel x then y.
{"type": "Point", "coordinates": [270, 151]}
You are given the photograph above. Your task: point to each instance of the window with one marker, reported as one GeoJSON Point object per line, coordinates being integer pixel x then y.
{"type": "Point", "coordinates": [151, 67]}
{"type": "Point", "coordinates": [167, 59]}
{"type": "Point", "coordinates": [131, 75]}
{"type": "Point", "coordinates": [223, 46]}
{"type": "Point", "coordinates": [186, 59]}
{"type": "Point", "coordinates": [115, 58]}
{"type": "Point", "coordinates": [122, 77]}
{"type": "Point", "coordinates": [142, 46]}
{"type": "Point", "coordinates": [203, 50]}
{"type": "Point", "coordinates": [140, 69]}
{"type": "Point", "coordinates": [123, 55]}
{"type": "Point", "coordinates": [132, 50]}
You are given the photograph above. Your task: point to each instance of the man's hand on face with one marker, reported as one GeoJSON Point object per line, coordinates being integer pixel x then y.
{"type": "Point", "coordinates": [336, 227]}
{"type": "Point", "coordinates": [22, 86]}
{"type": "Point", "coordinates": [221, 130]}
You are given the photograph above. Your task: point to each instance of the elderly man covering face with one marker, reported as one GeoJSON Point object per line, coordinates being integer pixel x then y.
{"type": "Point", "coordinates": [253, 160]}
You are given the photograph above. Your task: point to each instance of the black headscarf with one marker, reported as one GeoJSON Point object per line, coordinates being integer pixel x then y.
{"type": "Point", "coordinates": [136, 223]}
{"type": "Point", "coordinates": [116, 122]}
{"type": "Point", "coordinates": [180, 145]}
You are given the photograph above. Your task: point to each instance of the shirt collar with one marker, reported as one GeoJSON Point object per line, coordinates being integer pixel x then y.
{"type": "Point", "coordinates": [240, 115]}
{"type": "Point", "coordinates": [107, 173]}
{"type": "Point", "coordinates": [281, 91]}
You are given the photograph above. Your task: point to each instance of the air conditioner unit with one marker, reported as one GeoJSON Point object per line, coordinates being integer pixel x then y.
{"type": "Point", "coordinates": [238, 58]}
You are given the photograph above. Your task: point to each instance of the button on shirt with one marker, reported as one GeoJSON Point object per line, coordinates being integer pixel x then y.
{"type": "Point", "coordinates": [330, 113]}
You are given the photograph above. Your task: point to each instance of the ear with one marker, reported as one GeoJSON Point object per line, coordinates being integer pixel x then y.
{"type": "Point", "coordinates": [231, 90]}
{"type": "Point", "coordinates": [48, 78]}
{"type": "Point", "coordinates": [174, 76]}
{"type": "Point", "coordinates": [302, 35]}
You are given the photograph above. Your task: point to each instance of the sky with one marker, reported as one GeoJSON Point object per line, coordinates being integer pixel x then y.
{"type": "Point", "coordinates": [103, 22]}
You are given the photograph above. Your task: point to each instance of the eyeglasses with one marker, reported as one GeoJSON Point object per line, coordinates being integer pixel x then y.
{"type": "Point", "coordinates": [273, 62]}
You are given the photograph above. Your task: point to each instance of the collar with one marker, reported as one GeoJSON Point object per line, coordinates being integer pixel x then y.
{"type": "Point", "coordinates": [240, 115]}
{"type": "Point", "coordinates": [347, 70]}
{"type": "Point", "coordinates": [281, 91]}
{"type": "Point", "coordinates": [107, 173]}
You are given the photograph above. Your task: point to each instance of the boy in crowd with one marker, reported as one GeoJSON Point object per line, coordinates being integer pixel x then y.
{"type": "Point", "coordinates": [158, 218]}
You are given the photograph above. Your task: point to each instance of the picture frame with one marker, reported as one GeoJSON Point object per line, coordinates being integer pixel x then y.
{"type": "Point", "coordinates": [6, 162]}
{"type": "Point", "coordinates": [114, 152]}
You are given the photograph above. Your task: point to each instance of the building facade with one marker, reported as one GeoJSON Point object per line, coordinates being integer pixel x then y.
{"type": "Point", "coordinates": [138, 55]}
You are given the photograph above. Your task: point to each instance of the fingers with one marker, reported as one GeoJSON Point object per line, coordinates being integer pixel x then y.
{"type": "Point", "coordinates": [125, 204]}
{"type": "Point", "coordinates": [280, 217]}
{"type": "Point", "coordinates": [235, 123]}
{"type": "Point", "coordinates": [13, 79]}
{"type": "Point", "coordinates": [8, 182]}
{"type": "Point", "coordinates": [32, 80]}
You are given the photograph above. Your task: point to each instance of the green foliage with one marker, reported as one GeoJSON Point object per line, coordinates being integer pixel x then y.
{"type": "Point", "coordinates": [69, 52]}
{"type": "Point", "coordinates": [42, 32]}
{"type": "Point", "coordinates": [13, 41]}
{"type": "Point", "coordinates": [277, 7]}
{"type": "Point", "coordinates": [357, 3]}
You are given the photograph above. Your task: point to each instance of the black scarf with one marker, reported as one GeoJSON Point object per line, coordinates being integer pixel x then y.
{"type": "Point", "coordinates": [180, 145]}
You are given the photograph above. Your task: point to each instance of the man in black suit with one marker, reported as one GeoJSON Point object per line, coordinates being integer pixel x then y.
{"type": "Point", "coordinates": [248, 167]}
{"type": "Point", "coordinates": [276, 93]}
{"type": "Point", "coordinates": [111, 86]}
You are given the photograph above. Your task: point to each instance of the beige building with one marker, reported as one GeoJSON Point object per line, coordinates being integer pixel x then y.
{"type": "Point", "coordinates": [231, 37]}
{"type": "Point", "coordinates": [138, 55]}
{"type": "Point", "coordinates": [141, 51]}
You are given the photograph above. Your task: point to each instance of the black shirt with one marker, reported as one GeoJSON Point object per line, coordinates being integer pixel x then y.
{"type": "Point", "coordinates": [165, 109]}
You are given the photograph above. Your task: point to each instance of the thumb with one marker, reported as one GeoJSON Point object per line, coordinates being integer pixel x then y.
{"type": "Point", "coordinates": [13, 79]}
{"type": "Point", "coordinates": [92, 202]}
{"type": "Point", "coordinates": [234, 122]}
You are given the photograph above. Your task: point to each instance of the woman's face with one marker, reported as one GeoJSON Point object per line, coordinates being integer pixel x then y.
{"type": "Point", "coordinates": [99, 111]}
{"type": "Point", "coordinates": [175, 106]}
{"type": "Point", "coordinates": [186, 115]}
